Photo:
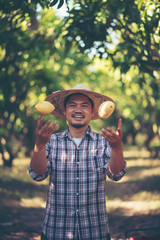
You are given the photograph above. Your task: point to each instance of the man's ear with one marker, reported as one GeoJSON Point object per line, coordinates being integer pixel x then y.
{"type": "Point", "coordinates": [93, 111]}
{"type": "Point", "coordinates": [64, 113]}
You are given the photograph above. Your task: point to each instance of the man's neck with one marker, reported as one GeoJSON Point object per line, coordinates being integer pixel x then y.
{"type": "Point", "coordinates": [77, 132]}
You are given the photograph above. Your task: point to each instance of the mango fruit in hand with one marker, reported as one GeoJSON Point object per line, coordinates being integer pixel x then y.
{"type": "Point", "coordinates": [106, 109]}
{"type": "Point", "coordinates": [44, 107]}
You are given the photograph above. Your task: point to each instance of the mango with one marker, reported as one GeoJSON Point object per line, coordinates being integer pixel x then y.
{"type": "Point", "coordinates": [106, 109]}
{"type": "Point", "coordinates": [44, 107]}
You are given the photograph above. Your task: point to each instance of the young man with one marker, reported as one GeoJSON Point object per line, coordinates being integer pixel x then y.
{"type": "Point", "coordinates": [77, 161]}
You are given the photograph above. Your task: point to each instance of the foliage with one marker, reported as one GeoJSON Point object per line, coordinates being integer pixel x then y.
{"type": "Point", "coordinates": [126, 32]}
{"type": "Point", "coordinates": [20, 43]}
{"type": "Point", "coordinates": [40, 53]}
{"type": "Point", "coordinates": [135, 105]}
{"type": "Point", "coordinates": [34, 62]}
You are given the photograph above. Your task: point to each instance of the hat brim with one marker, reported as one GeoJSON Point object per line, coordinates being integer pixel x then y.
{"type": "Point", "coordinates": [57, 99]}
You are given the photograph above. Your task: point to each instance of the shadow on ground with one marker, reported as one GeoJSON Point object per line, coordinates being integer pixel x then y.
{"type": "Point", "coordinates": [121, 224]}
{"type": "Point", "coordinates": [24, 222]}
{"type": "Point", "coordinates": [21, 223]}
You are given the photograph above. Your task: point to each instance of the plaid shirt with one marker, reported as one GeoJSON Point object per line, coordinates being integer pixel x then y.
{"type": "Point", "coordinates": [76, 197]}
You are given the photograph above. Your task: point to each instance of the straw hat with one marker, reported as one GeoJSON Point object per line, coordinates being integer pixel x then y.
{"type": "Point", "coordinates": [58, 98]}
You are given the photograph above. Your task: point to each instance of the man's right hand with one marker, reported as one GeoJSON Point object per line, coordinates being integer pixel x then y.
{"type": "Point", "coordinates": [44, 131]}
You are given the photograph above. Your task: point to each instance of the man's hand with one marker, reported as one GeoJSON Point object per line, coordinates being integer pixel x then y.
{"type": "Point", "coordinates": [114, 137]}
{"type": "Point", "coordinates": [44, 131]}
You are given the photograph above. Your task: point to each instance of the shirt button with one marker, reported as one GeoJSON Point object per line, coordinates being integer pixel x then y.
{"type": "Point", "coordinates": [77, 194]}
{"type": "Point", "coordinates": [77, 210]}
{"type": "Point", "coordinates": [77, 178]}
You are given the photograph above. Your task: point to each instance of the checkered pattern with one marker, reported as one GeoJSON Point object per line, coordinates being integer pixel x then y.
{"type": "Point", "coordinates": [76, 197]}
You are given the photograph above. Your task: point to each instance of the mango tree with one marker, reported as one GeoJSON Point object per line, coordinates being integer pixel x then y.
{"type": "Point", "coordinates": [128, 34]}
{"type": "Point", "coordinates": [34, 62]}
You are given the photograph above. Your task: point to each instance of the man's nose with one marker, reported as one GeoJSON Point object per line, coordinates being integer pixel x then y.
{"type": "Point", "coordinates": [78, 108]}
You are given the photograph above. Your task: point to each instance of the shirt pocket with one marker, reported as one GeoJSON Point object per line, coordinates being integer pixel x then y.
{"type": "Point", "coordinates": [98, 168]}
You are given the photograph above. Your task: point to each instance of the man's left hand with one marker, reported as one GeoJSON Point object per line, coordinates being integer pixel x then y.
{"type": "Point", "coordinates": [114, 137]}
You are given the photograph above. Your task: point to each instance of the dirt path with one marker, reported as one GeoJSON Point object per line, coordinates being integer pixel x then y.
{"type": "Point", "coordinates": [132, 203]}
{"type": "Point", "coordinates": [25, 224]}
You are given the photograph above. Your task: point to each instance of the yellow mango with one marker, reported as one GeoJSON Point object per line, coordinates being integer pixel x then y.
{"type": "Point", "coordinates": [106, 109]}
{"type": "Point", "coordinates": [44, 107]}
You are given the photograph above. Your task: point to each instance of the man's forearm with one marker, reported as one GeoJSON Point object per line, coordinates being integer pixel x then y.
{"type": "Point", "coordinates": [116, 160]}
{"type": "Point", "coordinates": [38, 160]}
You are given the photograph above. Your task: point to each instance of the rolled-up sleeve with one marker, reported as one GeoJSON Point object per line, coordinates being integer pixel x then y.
{"type": "Point", "coordinates": [41, 177]}
{"type": "Point", "coordinates": [118, 176]}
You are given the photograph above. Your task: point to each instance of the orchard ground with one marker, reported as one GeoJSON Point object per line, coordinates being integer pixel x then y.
{"type": "Point", "coordinates": [133, 202]}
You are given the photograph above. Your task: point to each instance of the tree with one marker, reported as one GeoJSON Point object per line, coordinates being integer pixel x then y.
{"type": "Point", "coordinates": [33, 64]}
{"type": "Point", "coordinates": [135, 105]}
{"type": "Point", "coordinates": [18, 40]}
{"type": "Point", "coordinates": [127, 33]}
{"type": "Point", "coordinates": [14, 42]}
{"type": "Point", "coordinates": [41, 53]}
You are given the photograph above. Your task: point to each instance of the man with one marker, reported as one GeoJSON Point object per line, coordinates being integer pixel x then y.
{"type": "Point", "coordinates": [77, 161]}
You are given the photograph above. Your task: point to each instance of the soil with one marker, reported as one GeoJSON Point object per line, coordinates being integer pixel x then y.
{"type": "Point", "coordinates": [24, 224]}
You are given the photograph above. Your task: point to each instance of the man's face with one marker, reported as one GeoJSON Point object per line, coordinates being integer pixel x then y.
{"type": "Point", "coordinates": [78, 111]}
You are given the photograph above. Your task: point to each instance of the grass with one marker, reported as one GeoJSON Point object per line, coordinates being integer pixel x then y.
{"type": "Point", "coordinates": [133, 202]}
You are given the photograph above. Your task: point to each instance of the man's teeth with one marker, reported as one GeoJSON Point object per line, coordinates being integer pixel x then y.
{"type": "Point", "coordinates": [78, 116]}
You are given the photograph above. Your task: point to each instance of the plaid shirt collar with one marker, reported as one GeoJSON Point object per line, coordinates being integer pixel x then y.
{"type": "Point", "coordinates": [89, 133]}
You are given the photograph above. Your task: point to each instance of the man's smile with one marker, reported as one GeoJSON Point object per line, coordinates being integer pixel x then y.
{"type": "Point", "coordinates": [78, 116]}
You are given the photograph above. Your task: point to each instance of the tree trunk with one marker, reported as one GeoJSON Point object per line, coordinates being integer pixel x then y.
{"type": "Point", "coordinates": [7, 158]}
{"type": "Point", "coordinates": [7, 163]}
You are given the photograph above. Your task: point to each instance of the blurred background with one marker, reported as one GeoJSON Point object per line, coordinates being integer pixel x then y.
{"type": "Point", "coordinates": [113, 47]}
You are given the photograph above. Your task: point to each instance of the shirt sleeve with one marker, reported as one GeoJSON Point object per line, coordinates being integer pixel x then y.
{"type": "Point", "coordinates": [114, 177]}
{"type": "Point", "coordinates": [118, 176]}
{"type": "Point", "coordinates": [41, 177]}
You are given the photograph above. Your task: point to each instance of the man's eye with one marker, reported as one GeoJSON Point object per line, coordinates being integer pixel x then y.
{"type": "Point", "coordinates": [85, 105]}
